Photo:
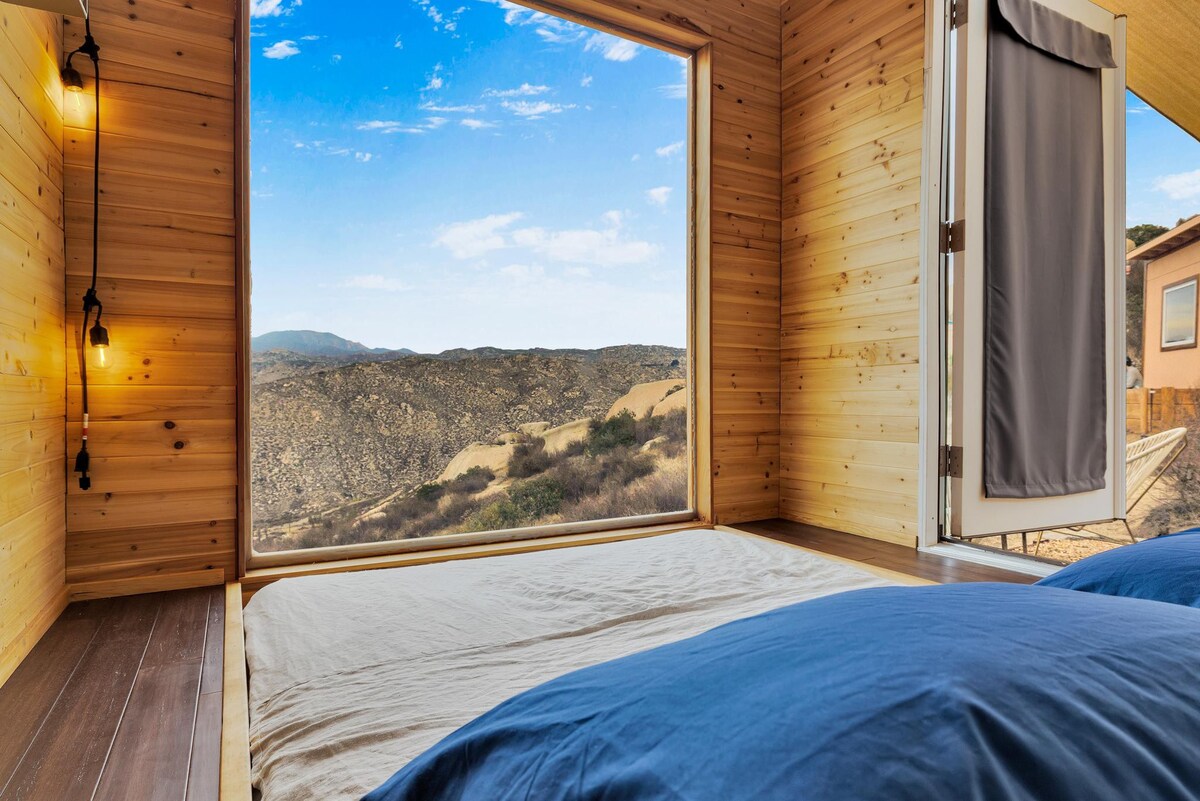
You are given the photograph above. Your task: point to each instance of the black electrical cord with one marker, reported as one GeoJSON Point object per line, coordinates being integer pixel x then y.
{"type": "Point", "coordinates": [90, 301]}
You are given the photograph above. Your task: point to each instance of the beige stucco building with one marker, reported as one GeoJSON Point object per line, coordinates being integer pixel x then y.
{"type": "Point", "coordinates": [1172, 276]}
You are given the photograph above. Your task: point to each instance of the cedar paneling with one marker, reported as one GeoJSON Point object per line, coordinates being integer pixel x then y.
{"type": "Point", "coordinates": [32, 358]}
{"type": "Point", "coordinates": [161, 511]}
{"type": "Point", "coordinates": [852, 127]}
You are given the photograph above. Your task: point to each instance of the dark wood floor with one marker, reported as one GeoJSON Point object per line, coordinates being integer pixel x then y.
{"type": "Point", "coordinates": [121, 699]}
{"type": "Point", "coordinates": [881, 554]}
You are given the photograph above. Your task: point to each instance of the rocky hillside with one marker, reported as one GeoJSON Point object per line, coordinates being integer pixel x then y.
{"type": "Point", "coordinates": [631, 461]}
{"type": "Point", "coordinates": [327, 434]}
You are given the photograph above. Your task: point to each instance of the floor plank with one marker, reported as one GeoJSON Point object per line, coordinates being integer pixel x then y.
{"type": "Point", "coordinates": [32, 690]}
{"type": "Point", "coordinates": [204, 775]}
{"type": "Point", "coordinates": [67, 755]}
{"type": "Point", "coordinates": [121, 699]}
{"type": "Point", "coordinates": [909, 561]}
{"type": "Point", "coordinates": [153, 747]}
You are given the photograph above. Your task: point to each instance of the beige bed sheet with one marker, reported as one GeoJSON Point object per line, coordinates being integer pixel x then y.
{"type": "Point", "coordinates": [353, 675]}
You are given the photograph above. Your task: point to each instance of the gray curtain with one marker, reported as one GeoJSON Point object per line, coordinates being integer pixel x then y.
{"type": "Point", "coordinates": [1045, 396]}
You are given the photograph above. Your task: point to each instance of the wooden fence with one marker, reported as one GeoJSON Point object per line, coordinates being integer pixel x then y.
{"type": "Point", "coordinates": [1149, 411]}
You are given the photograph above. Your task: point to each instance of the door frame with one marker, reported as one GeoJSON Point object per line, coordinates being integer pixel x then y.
{"type": "Point", "coordinates": [931, 498]}
{"type": "Point", "coordinates": [937, 166]}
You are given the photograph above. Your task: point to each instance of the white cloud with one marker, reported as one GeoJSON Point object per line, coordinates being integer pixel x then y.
{"type": "Point", "coordinates": [375, 283]}
{"type": "Point", "coordinates": [524, 90]}
{"type": "Point", "coordinates": [335, 58]}
{"type": "Point", "coordinates": [474, 238]}
{"type": "Point", "coordinates": [659, 195]}
{"type": "Point", "coordinates": [613, 48]}
{"type": "Point", "coordinates": [476, 125]}
{"type": "Point", "coordinates": [678, 91]}
{"type": "Point", "coordinates": [673, 149]}
{"type": "Point", "coordinates": [284, 49]}
{"type": "Point", "coordinates": [397, 126]}
{"type": "Point", "coordinates": [311, 38]}
{"type": "Point", "coordinates": [523, 273]}
{"type": "Point", "coordinates": [585, 81]}
{"type": "Point", "coordinates": [1179, 186]}
{"type": "Point", "coordinates": [431, 11]}
{"type": "Point", "coordinates": [458, 109]}
{"type": "Point", "coordinates": [534, 109]}
{"type": "Point", "coordinates": [272, 8]}
{"type": "Point", "coordinates": [363, 157]}
{"type": "Point", "coordinates": [606, 247]}
{"type": "Point", "coordinates": [399, 44]}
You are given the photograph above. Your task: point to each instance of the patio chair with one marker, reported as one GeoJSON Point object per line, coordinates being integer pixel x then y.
{"type": "Point", "coordinates": [1145, 462]}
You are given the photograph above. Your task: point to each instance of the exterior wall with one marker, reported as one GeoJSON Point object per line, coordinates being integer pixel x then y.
{"type": "Point", "coordinates": [161, 510]}
{"type": "Point", "coordinates": [160, 515]}
{"type": "Point", "coordinates": [1171, 368]}
{"type": "Point", "coordinates": [852, 137]}
{"type": "Point", "coordinates": [32, 355]}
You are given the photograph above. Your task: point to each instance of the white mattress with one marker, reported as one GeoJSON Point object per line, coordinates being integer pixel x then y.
{"type": "Point", "coordinates": [352, 675]}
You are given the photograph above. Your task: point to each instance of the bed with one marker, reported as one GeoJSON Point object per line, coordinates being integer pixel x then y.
{"type": "Point", "coordinates": [352, 676]}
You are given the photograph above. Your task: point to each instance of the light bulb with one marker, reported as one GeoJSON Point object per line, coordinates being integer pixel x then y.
{"type": "Point", "coordinates": [98, 338]}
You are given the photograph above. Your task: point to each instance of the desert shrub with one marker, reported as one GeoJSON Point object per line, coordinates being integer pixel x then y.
{"type": "Point", "coordinates": [615, 432]}
{"type": "Point", "coordinates": [578, 478]}
{"type": "Point", "coordinates": [474, 480]}
{"type": "Point", "coordinates": [498, 515]}
{"type": "Point", "coordinates": [529, 458]}
{"type": "Point", "coordinates": [400, 512]}
{"type": "Point", "coordinates": [665, 490]}
{"type": "Point", "coordinates": [537, 497]}
{"type": "Point", "coordinates": [625, 466]}
{"type": "Point", "coordinates": [431, 491]}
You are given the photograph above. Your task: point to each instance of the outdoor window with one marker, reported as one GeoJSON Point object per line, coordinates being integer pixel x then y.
{"type": "Point", "coordinates": [470, 245]}
{"type": "Point", "coordinates": [1179, 315]}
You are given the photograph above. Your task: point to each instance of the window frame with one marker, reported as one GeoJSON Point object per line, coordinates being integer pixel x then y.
{"type": "Point", "coordinates": [1194, 282]}
{"type": "Point", "coordinates": [595, 14]}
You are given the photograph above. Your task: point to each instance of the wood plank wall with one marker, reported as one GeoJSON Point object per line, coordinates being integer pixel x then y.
{"type": "Point", "coordinates": [852, 139]}
{"type": "Point", "coordinates": [161, 511]}
{"type": "Point", "coordinates": [745, 250]}
{"type": "Point", "coordinates": [162, 515]}
{"type": "Point", "coordinates": [32, 354]}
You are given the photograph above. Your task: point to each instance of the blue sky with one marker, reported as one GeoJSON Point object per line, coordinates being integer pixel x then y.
{"type": "Point", "coordinates": [476, 173]}
{"type": "Point", "coordinates": [1163, 168]}
{"type": "Point", "coordinates": [464, 175]}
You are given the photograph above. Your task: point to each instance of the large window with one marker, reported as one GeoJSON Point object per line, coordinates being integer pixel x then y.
{"type": "Point", "coordinates": [470, 252]}
{"type": "Point", "coordinates": [1179, 315]}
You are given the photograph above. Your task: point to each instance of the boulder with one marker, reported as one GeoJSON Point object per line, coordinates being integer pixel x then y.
{"type": "Point", "coordinates": [644, 397]}
{"type": "Point", "coordinates": [557, 439]}
{"type": "Point", "coordinates": [533, 429]}
{"type": "Point", "coordinates": [673, 402]}
{"type": "Point", "coordinates": [493, 457]}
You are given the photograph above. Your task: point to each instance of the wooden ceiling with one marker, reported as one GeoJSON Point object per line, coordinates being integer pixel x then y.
{"type": "Point", "coordinates": [1162, 52]}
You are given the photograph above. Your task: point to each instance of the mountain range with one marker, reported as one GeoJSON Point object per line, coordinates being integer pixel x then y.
{"type": "Point", "coordinates": [315, 343]}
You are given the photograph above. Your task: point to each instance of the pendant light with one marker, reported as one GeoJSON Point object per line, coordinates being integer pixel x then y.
{"type": "Point", "coordinates": [95, 337]}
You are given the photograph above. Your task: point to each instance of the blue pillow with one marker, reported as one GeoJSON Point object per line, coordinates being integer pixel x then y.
{"type": "Point", "coordinates": [1161, 569]}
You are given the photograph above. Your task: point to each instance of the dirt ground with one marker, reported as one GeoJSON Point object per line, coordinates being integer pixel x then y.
{"type": "Point", "coordinates": [1061, 547]}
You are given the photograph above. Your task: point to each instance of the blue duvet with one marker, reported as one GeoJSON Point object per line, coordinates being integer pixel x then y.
{"type": "Point", "coordinates": [957, 692]}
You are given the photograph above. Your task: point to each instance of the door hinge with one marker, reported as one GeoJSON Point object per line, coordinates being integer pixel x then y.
{"type": "Point", "coordinates": [958, 13]}
{"type": "Point", "coordinates": [953, 236]}
{"type": "Point", "coordinates": [951, 461]}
